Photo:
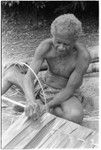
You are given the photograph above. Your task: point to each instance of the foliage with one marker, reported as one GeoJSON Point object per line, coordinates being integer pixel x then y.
{"type": "Point", "coordinates": [71, 7]}
{"type": "Point", "coordinates": [9, 3]}
{"type": "Point", "coordinates": [39, 4]}
{"type": "Point", "coordinates": [45, 11]}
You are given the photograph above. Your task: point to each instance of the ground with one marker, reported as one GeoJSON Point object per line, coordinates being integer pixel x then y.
{"type": "Point", "coordinates": [19, 41]}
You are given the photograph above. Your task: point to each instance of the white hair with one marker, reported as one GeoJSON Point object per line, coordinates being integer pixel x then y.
{"type": "Point", "coordinates": [66, 25]}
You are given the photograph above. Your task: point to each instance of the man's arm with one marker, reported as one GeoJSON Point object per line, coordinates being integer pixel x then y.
{"type": "Point", "coordinates": [75, 79]}
{"type": "Point", "coordinates": [38, 59]}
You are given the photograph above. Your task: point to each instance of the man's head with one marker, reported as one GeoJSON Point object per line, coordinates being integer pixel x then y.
{"type": "Point", "coordinates": [66, 28]}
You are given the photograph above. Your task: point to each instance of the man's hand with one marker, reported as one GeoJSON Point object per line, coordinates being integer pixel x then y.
{"type": "Point", "coordinates": [33, 110]}
{"type": "Point", "coordinates": [49, 108]}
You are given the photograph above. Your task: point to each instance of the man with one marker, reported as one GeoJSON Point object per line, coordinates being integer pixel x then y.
{"type": "Point", "coordinates": [67, 61]}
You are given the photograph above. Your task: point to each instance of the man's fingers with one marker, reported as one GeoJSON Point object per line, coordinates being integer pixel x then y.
{"type": "Point", "coordinates": [31, 112]}
{"type": "Point", "coordinates": [35, 116]}
{"type": "Point", "coordinates": [27, 112]}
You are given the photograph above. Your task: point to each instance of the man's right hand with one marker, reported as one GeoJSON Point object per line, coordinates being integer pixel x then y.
{"type": "Point", "coordinates": [33, 111]}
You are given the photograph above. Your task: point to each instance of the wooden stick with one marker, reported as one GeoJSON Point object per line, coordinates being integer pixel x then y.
{"type": "Point", "coordinates": [93, 74]}
{"type": "Point", "coordinates": [12, 101]}
{"type": "Point", "coordinates": [94, 60]}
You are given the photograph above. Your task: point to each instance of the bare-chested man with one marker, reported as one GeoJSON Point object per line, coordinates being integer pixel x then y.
{"type": "Point", "coordinates": [67, 61]}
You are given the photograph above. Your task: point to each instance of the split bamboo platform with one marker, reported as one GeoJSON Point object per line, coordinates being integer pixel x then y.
{"type": "Point", "coordinates": [48, 131]}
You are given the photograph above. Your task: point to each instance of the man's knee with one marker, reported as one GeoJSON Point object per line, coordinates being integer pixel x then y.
{"type": "Point", "coordinates": [75, 115]}
{"type": "Point", "coordinates": [58, 112]}
{"type": "Point", "coordinates": [73, 110]}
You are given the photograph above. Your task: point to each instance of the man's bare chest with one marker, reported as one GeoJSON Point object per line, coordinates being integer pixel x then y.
{"type": "Point", "coordinates": [62, 66]}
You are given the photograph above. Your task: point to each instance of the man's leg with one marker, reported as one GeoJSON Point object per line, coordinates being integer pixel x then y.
{"type": "Point", "coordinates": [5, 85]}
{"type": "Point", "coordinates": [71, 110]}
{"type": "Point", "coordinates": [12, 77]}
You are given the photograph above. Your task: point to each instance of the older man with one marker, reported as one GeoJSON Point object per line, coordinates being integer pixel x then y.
{"type": "Point", "coordinates": [67, 61]}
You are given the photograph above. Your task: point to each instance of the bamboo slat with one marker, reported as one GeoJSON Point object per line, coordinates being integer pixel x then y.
{"type": "Point", "coordinates": [87, 144]}
{"type": "Point", "coordinates": [68, 142]}
{"type": "Point", "coordinates": [18, 128]}
{"type": "Point", "coordinates": [22, 135]}
{"type": "Point", "coordinates": [64, 130]}
{"type": "Point", "coordinates": [57, 124]}
{"type": "Point", "coordinates": [26, 140]}
{"type": "Point", "coordinates": [59, 142]}
{"type": "Point", "coordinates": [82, 133]}
{"type": "Point", "coordinates": [48, 132]}
{"type": "Point", "coordinates": [65, 143]}
{"type": "Point", "coordinates": [14, 130]}
{"type": "Point", "coordinates": [78, 144]}
{"type": "Point", "coordinates": [93, 67]}
{"type": "Point", "coordinates": [55, 137]}
{"type": "Point", "coordinates": [94, 138]}
{"type": "Point", "coordinates": [39, 137]}
{"type": "Point", "coordinates": [69, 127]}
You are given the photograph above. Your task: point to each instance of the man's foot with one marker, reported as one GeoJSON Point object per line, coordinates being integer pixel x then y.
{"type": "Point", "coordinates": [18, 108]}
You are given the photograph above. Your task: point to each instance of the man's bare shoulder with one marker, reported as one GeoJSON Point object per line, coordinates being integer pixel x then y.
{"type": "Point", "coordinates": [44, 47]}
{"type": "Point", "coordinates": [47, 41]}
{"type": "Point", "coordinates": [82, 50]}
{"type": "Point", "coordinates": [45, 44]}
{"type": "Point", "coordinates": [83, 56]}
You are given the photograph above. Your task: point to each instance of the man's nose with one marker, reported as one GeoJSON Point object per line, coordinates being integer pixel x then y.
{"type": "Point", "coordinates": [61, 46]}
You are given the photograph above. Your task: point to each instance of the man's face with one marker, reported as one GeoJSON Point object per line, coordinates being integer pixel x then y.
{"type": "Point", "coordinates": [62, 45]}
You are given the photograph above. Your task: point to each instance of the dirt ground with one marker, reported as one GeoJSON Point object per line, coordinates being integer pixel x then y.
{"type": "Point", "coordinates": [19, 42]}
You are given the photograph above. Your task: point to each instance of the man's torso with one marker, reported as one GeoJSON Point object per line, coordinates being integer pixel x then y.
{"type": "Point", "coordinates": [60, 67]}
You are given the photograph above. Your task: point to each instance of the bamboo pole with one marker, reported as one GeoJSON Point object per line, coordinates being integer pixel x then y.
{"type": "Point", "coordinates": [12, 101]}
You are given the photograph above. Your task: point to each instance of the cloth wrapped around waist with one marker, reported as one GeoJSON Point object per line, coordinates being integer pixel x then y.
{"type": "Point", "coordinates": [50, 92]}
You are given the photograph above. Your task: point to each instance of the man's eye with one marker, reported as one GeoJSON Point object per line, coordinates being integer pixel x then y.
{"type": "Point", "coordinates": [65, 44]}
{"type": "Point", "coordinates": [59, 42]}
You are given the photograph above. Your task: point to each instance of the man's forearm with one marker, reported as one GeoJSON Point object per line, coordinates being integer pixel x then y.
{"type": "Point", "coordinates": [28, 89]}
{"type": "Point", "coordinates": [61, 97]}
